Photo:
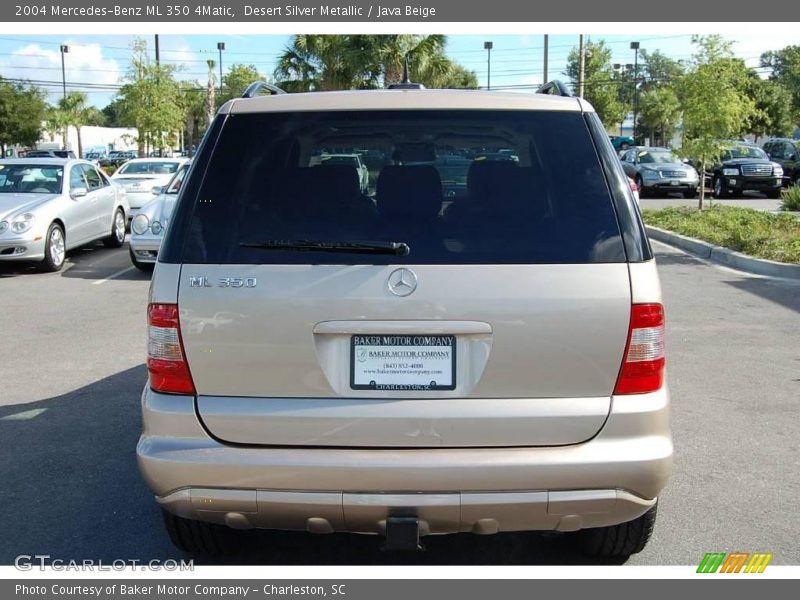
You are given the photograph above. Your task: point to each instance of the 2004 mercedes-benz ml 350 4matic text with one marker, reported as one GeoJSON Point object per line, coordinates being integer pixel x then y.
{"type": "Point", "coordinates": [400, 361]}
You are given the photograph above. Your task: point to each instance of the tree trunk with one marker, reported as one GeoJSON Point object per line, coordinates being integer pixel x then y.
{"type": "Point", "coordinates": [702, 194]}
{"type": "Point", "coordinates": [80, 142]}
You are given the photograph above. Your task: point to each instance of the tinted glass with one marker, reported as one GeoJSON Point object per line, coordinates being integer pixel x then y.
{"type": "Point", "coordinates": [657, 156]}
{"type": "Point", "coordinates": [744, 152]}
{"type": "Point", "coordinates": [149, 168]}
{"type": "Point", "coordinates": [435, 188]}
{"type": "Point", "coordinates": [31, 179]}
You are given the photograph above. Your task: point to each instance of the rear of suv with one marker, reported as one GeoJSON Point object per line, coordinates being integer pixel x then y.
{"type": "Point", "coordinates": [399, 360]}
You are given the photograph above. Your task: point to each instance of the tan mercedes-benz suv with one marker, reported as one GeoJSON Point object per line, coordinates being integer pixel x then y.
{"type": "Point", "coordinates": [473, 343]}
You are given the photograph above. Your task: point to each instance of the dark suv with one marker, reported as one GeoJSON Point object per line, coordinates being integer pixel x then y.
{"type": "Point", "coordinates": [786, 153]}
{"type": "Point", "coordinates": [745, 167]}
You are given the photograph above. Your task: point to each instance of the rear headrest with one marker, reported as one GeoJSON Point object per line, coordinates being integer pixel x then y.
{"type": "Point", "coordinates": [483, 176]}
{"type": "Point", "coordinates": [339, 180]}
{"type": "Point", "coordinates": [409, 191]}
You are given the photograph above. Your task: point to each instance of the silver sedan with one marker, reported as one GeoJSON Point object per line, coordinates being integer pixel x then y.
{"type": "Point", "coordinates": [51, 205]}
{"type": "Point", "coordinates": [150, 222]}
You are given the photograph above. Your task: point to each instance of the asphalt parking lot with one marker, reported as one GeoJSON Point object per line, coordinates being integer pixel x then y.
{"type": "Point", "coordinates": [73, 369]}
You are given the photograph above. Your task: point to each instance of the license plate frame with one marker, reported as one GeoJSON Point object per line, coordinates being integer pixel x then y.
{"type": "Point", "coordinates": [403, 341]}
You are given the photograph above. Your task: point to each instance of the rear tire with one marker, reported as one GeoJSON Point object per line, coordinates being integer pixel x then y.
{"type": "Point", "coordinates": [200, 538]}
{"type": "Point", "coordinates": [142, 266]}
{"type": "Point", "coordinates": [618, 541]}
{"type": "Point", "coordinates": [117, 237]}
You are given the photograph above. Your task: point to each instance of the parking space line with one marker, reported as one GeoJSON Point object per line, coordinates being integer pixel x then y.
{"type": "Point", "coordinates": [113, 276]}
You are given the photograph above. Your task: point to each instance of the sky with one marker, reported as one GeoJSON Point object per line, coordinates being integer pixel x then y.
{"type": "Point", "coordinates": [100, 62]}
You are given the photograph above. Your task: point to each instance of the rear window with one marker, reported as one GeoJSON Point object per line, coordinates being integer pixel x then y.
{"type": "Point", "coordinates": [457, 187]}
{"type": "Point", "coordinates": [149, 168]}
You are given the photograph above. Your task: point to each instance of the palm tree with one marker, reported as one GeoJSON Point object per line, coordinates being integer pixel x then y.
{"type": "Point", "coordinates": [193, 103]}
{"type": "Point", "coordinates": [327, 62]}
{"type": "Point", "coordinates": [340, 62]}
{"type": "Point", "coordinates": [210, 92]}
{"type": "Point", "coordinates": [75, 113]}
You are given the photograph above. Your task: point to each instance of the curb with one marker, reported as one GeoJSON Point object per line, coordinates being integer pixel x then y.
{"type": "Point", "coordinates": [725, 256]}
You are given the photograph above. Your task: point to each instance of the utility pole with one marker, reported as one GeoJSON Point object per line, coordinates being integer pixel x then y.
{"type": "Point", "coordinates": [220, 47]}
{"type": "Point", "coordinates": [635, 48]}
{"type": "Point", "coordinates": [582, 68]}
{"type": "Point", "coordinates": [64, 50]}
{"type": "Point", "coordinates": [157, 55]}
{"type": "Point", "coordinates": [546, 44]}
{"type": "Point", "coordinates": [488, 47]}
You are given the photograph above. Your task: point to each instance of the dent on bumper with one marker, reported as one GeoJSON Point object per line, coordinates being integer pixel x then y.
{"type": "Point", "coordinates": [612, 478]}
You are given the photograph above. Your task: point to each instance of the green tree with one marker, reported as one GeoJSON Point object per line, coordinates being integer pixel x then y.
{"type": "Point", "coordinates": [340, 62]}
{"type": "Point", "coordinates": [236, 81]}
{"type": "Point", "coordinates": [193, 103]}
{"type": "Point", "coordinates": [22, 113]}
{"type": "Point", "coordinates": [658, 69]}
{"type": "Point", "coordinates": [785, 65]}
{"type": "Point", "coordinates": [74, 113]}
{"type": "Point", "coordinates": [713, 102]}
{"type": "Point", "coordinates": [773, 107]}
{"type": "Point", "coordinates": [150, 100]}
{"type": "Point", "coordinates": [114, 114]}
{"type": "Point", "coordinates": [660, 112]}
{"type": "Point", "coordinates": [327, 62]}
{"type": "Point", "coordinates": [599, 84]}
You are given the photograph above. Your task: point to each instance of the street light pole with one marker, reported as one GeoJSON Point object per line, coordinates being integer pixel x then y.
{"type": "Point", "coordinates": [64, 50]}
{"type": "Point", "coordinates": [546, 52]}
{"type": "Point", "coordinates": [220, 47]}
{"type": "Point", "coordinates": [582, 65]}
{"type": "Point", "coordinates": [488, 47]}
{"type": "Point", "coordinates": [635, 48]}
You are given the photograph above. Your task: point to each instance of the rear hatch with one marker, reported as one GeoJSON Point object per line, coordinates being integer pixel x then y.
{"type": "Point", "coordinates": [313, 314]}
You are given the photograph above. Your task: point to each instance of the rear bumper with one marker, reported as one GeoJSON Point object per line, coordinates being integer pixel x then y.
{"type": "Point", "coordinates": [612, 478]}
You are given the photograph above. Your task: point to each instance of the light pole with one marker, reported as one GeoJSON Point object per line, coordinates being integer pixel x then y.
{"type": "Point", "coordinates": [621, 70]}
{"type": "Point", "coordinates": [64, 50]}
{"type": "Point", "coordinates": [488, 47]}
{"type": "Point", "coordinates": [220, 47]}
{"type": "Point", "coordinates": [635, 48]}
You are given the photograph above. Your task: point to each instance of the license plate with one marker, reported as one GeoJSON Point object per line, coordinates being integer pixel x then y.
{"type": "Point", "coordinates": [403, 362]}
{"type": "Point", "coordinates": [674, 182]}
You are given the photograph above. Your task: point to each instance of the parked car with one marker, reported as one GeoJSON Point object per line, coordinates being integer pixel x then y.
{"type": "Point", "coordinates": [51, 205]}
{"type": "Point", "coordinates": [785, 152]}
{"type": "Point", "coordinates": [353, 160]}
{"type": "Point", "coordinates": [659, 170]}
{"type": "Point", "coordinates": [117, 158]}
{"type": "Point", "coordinates": [745, 167]}
{"type": "Point", "coordinates": [150, 223]}
{"type": "Point", "coordinates": [140, 175]}
{"type": "Point", "coordinates": [621, 142]}
{"type": "Point", "coordinates": [50, 154]}
{"type": "Point", "coordinates": [324, 361]}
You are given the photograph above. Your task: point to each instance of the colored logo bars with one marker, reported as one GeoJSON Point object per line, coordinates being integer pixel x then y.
{"type": "Point", "coordinates": [736, 562]}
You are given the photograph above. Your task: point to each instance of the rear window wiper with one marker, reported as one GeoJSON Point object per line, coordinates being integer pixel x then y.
{"type": "Point", "coordinates": [358, 247]}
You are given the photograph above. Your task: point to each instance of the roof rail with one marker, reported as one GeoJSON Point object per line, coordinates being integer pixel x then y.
{"type": "Point", "coordinates": [256, 87]}
{"type": "Point", "coordinates": [555, 88]}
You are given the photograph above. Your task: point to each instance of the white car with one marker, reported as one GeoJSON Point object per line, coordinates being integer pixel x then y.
{"type": "Point", "coordinates": [140, 175]}
{"type": "Point", "coordinates": [51, 205]}
{"type": "Point", "coordinates": [150, 223]}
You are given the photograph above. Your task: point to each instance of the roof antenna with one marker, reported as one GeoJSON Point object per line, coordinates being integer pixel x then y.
{"type": "Point", "coordinates": [406, 84]}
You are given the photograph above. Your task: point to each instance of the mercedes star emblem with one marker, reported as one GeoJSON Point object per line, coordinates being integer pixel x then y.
{"type": "Point", "coordinates": [402, 282]}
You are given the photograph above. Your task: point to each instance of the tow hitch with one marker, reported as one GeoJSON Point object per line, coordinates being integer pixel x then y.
{"type": "Point", "coordinates": [402, 533]}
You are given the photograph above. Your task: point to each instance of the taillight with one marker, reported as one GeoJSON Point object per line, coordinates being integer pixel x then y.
{"type": "Point", "coordinates": [634, 187]}
{"type": "Point", "coordinates": [643, 364]}
{"type": "Point", "coordinates": [166, 361]}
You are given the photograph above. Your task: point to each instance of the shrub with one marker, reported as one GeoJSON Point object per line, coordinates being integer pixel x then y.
{"type": "Point", "coordinates": [791, 198]}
